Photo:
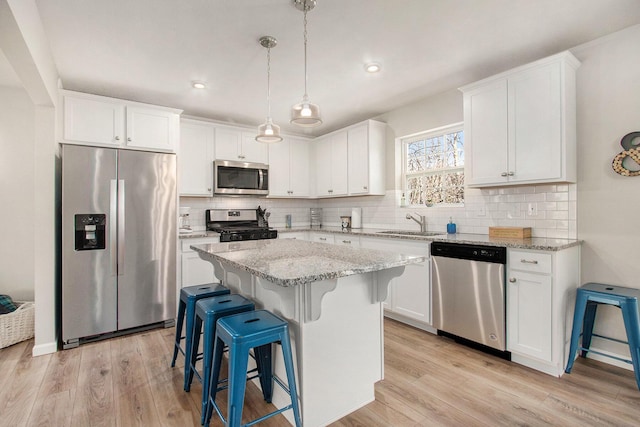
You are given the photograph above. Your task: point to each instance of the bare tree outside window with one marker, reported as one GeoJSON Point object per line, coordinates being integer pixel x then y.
{"type": "Point", "coordinates": [433, 167]}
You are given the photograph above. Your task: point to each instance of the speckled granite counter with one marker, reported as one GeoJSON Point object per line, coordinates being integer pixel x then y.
{"type": "Point", "coordinates": [536, 243]}
{"type": "Point", "coordinates": [332, 298]}
{"type": "Point", "coordinates": [293, 262]}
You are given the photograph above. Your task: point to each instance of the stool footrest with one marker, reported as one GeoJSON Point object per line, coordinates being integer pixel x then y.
{"type": "Point", "coordinates": [611, 339]}
{"type": "Point", "coordinates": [588, 350]}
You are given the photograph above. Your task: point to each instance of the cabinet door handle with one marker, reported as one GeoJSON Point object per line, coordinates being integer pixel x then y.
{"type": "Point", "coordinates": [117, 138]}
{"type": "Point", "coordinates": [364, 188]}
{"type": "Point", "coordinates": [511, 173]}
{"type": "Point", "coordinates": [526, 261]}
{"type": "Point", "coordinates": [323, 238]}
{"type": "Point", "coordinates": [129, 139]}
{"type": "Point", "coordinates": [348, 242]}
{"type": "Point", "coordinates": [504, 174]}
{"type": "Point", "coordinates": [208, 189]}
{"type": "Point", "coordinates": [512, 280]}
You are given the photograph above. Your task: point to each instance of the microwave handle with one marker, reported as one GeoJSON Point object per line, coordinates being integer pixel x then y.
{"type": "Point", "coordinates": [260, 179]}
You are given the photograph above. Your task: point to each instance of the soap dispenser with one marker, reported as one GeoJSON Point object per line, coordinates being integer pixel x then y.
{"type": "Point", "coordinates": [451, 227]}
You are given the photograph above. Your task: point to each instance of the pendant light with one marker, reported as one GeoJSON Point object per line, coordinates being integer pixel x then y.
{"type": "Point", "coordinates": [305, 113]}
{"type": "Point", "coordinates": [268, 131]}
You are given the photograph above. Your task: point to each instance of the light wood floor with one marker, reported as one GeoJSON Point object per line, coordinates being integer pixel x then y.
{"type": "Point", "coordinates": [429, 381]}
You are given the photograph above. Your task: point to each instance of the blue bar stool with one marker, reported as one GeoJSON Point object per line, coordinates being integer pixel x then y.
{"type": "Point", "coordinates": [588, 298]}
{"type": "Point", "coordinates": [208, 311]}
{"type": "Point", "coordinates": [187, 307]}
{"type": "Point", "coordinates": [242, 332]}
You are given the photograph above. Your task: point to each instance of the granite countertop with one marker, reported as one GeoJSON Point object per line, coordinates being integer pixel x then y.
{"type": "Point", "coordinates": [198, 233]}
{"type": "Point", "coordinates": [293, 262]}
{"type": "Point", "coordinates": [537, 243]}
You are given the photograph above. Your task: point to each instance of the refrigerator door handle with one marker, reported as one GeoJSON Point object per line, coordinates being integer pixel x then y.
{"type": "Point", "coordinates": [121, 227]}
{"type": "Point", "coordinates": [113, 227]}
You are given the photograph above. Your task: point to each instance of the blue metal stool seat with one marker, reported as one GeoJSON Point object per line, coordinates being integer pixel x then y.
{"type": "Point", "coordinates": [187, 308]}
{"type": "Point", "coordinates": [208, 311]}
{"type": "Point", "coordinates": [588, 298]}
{"type": "Point", "coordinates": [242, 332]}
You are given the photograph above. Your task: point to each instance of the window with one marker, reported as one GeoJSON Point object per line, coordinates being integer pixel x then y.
{"type": "Point", "coordinates": [433, 167]}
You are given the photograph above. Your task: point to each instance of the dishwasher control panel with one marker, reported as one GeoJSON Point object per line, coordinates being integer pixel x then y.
{"type": "Point", "coordinates": [497, 254]}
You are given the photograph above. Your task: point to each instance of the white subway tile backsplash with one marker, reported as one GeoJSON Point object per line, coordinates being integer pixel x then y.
{"type": "Point", "coordinates": [557, 197]}
{"type": "Point", "coordinates": [555, 207]}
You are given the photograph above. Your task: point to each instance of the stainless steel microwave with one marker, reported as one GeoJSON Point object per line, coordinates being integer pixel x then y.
{"type": "Point", "coordinates": [240, 178]}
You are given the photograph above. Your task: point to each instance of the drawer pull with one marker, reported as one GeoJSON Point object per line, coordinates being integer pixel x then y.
{"type": "Point", "coordinates": [323, 238]}
{"type": "Point", "coordinates": [512, 280]}
{"type": "Point", "coordinates": [526, 261]}
{"type": "Point", "coordinates": [346, 241]}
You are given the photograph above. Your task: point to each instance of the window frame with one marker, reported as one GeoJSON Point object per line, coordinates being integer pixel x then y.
{"type": "Point", "coordinates": [435, 132]}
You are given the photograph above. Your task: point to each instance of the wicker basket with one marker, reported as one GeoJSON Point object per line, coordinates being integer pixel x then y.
{"type": "Point", "coordinates": [18, 325]}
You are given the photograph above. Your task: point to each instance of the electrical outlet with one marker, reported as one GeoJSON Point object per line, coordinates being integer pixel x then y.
{"type": "Point", "coordinates": [532, 209]}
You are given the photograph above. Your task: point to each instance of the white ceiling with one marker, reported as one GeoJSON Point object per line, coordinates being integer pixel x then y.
{"type": "Point", "coordinates": [150, 50]}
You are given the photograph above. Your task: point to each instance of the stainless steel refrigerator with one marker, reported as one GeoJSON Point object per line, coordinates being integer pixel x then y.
{"type": "Point", "coordinates": [118, 241]}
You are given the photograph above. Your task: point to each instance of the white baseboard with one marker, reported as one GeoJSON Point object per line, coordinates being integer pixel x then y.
{"type": "Point", "coordinates": [41, 349]}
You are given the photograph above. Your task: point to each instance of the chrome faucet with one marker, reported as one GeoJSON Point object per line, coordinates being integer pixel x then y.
{"type": "Point", "coordinates": [422, 221]}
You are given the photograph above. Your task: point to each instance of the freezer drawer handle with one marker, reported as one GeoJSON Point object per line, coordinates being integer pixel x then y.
{"type": "Point", "coordinates": [526, 261]}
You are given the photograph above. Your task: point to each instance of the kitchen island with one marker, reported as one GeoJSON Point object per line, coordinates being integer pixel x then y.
{"type": "Point", "coordinates": [332, 297]}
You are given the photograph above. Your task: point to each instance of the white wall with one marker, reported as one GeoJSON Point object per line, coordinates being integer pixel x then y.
{"type": "Point", "coordinates": [608, 88]}
{"type": "Point", "coordinates": [17, 194]}
{"type": "Point", "coordinates": [31, 189]}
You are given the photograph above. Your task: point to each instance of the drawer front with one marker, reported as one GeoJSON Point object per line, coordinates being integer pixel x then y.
{"type": "Point", "coordinates": [353, 241]}
{"type": "Point", "coordinates": [535, 262]}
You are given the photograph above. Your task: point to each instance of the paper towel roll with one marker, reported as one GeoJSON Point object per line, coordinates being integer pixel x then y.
{"type": "Point", "coordinates": [356, 218]}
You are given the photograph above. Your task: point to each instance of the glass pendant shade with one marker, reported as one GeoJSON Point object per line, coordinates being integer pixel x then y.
{"type": "Point", "coordinates": [268, 132]}
{"type": "Point", "coordinates": [306, 114]}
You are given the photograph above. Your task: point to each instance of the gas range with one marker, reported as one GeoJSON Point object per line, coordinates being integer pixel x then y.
{"type": "Point", "coordinates": [239, 224]}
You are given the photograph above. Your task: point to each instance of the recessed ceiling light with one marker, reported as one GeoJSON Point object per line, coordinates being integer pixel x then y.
{"type": "Point", "coordinates": [372, 67]}
{"type": "Point", "coordinates": [199, 85]}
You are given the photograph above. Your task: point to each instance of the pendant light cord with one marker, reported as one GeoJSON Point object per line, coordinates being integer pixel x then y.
{"type": "Point", "coordinates": [305, 52]}
{"type": "Point", "coordinates": [269, 82]}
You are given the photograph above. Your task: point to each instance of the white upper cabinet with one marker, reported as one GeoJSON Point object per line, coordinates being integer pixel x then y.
{"type": "Point", "coordinates": [195, 161]}
{"type": "Point", "coordinates": [102, 121]}
{"type": "Point", "coordinates": [331, 165]}
{"type": "Point", "coordinates": [520, 125]}
{"type": "Point", "coordinates": [289, 168]}
{"type": "Point", "coordinates": [366, 167]}
{"type": "Point", "coordinates": [351, 161]}
{"type": "Point", "coordinates": [239, 145]}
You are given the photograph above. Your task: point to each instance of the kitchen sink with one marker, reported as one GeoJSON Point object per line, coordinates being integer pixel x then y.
{"type": "Point", "coordinates": [413, 233]}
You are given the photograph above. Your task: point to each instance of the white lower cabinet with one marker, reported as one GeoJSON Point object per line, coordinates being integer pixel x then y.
{"type": "Point", "coordinates": [321, 237]}
{"type": "Point", "coordinates": [347, 240]}
{"type": "Point", "coordinates": [541, 289]}
{"type": "Point", "coordinates": [194, 270]}
{"type": "Point", "coordinates": [293, 235]}
{"type": "Point", "coordinates": [409, 298]}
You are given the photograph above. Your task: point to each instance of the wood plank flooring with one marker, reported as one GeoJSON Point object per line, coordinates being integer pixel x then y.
{"type": "Point", "coordinates": [429, 381]}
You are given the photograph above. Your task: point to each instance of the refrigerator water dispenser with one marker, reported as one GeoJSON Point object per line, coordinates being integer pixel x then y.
{"type": "Point", "coordinates": [90, 231]}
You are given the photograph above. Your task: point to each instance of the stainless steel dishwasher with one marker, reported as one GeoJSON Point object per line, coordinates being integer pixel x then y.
{"type": "Point", "coordinates": [468, 283]}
